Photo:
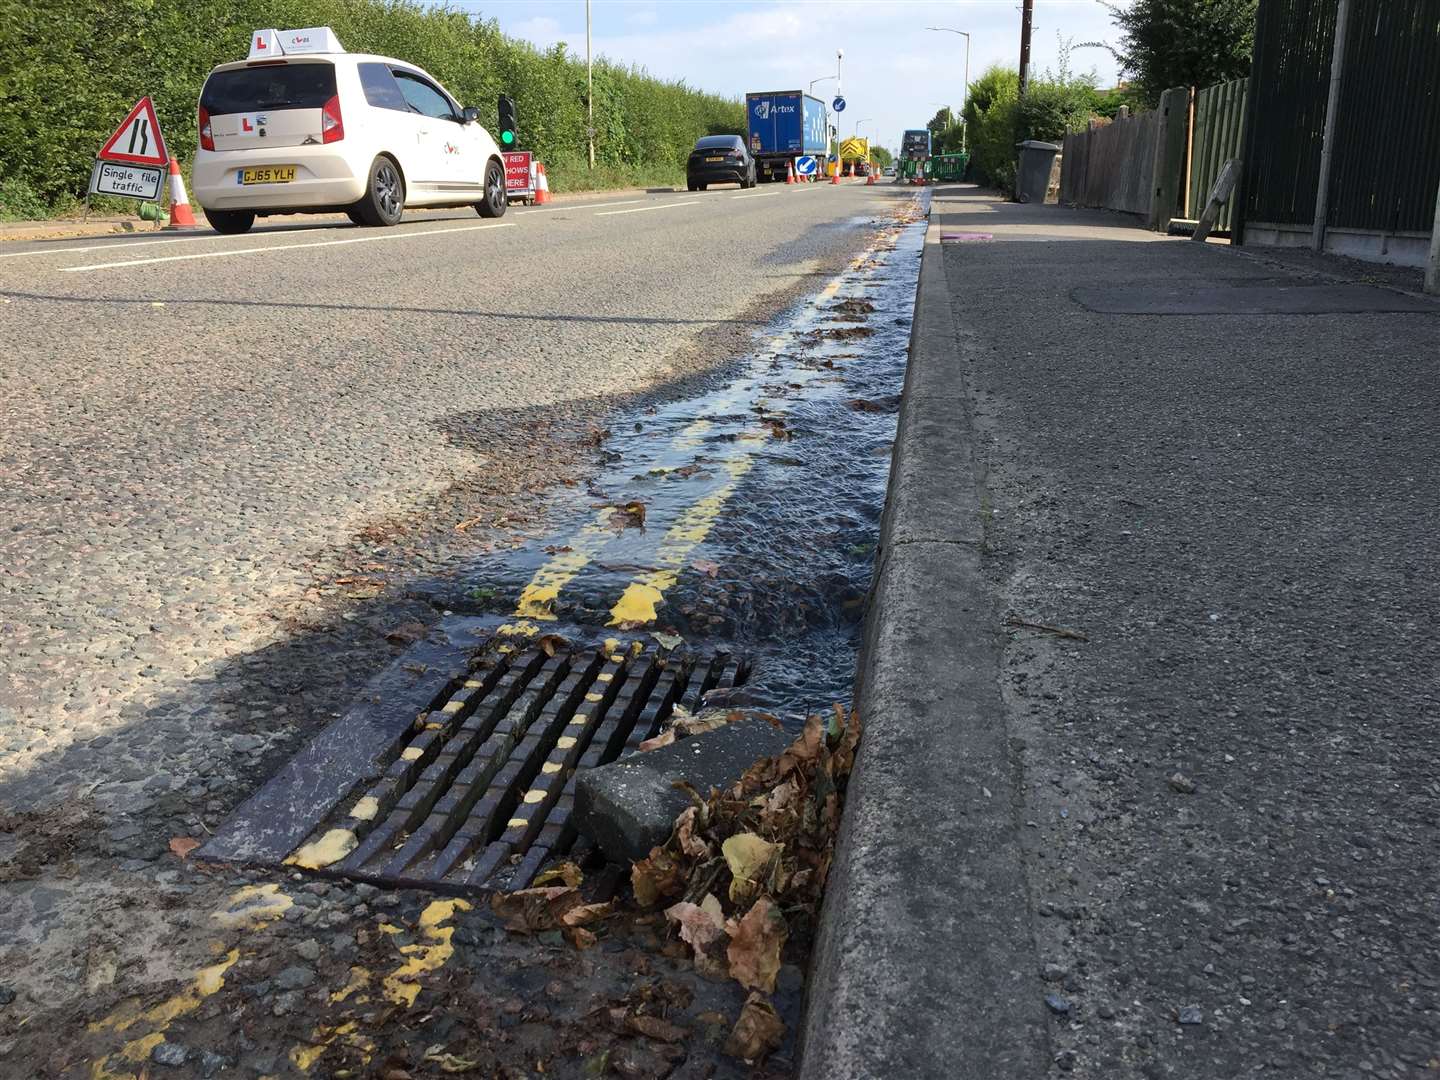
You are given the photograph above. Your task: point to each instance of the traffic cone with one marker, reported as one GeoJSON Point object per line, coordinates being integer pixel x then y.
{"type": "Point", "coordinates": [789, 171]}
{"type": "Point", "coordinates": [835, 176]}
{"type": "Point", "coordinates": [181, 216]}
{"type": "Point", "coordinates": [542, 185]}
{"type": "Point", "coordinates": [870, 177]}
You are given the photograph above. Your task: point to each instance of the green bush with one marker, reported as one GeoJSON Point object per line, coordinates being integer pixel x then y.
{"type": "Point", "coordinates": [991, 115]}
{"type": "Point", "coordinates": [19, 202]}
{"type": "Point", "coordinates": [83, 64]}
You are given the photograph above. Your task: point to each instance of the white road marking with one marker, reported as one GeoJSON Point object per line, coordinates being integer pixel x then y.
{"type": "Point", "coordinates": [281, 247]}
{"type": "Point", "coordinates": [582, 206]}
{"type": "Point", "coordinates": [642, 209]}
{"type": "Point", "coordinates": [756, 195]}
{"type": "Point", "coordinates": [103, 247]}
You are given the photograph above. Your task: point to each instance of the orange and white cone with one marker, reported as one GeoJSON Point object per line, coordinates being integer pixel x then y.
{"type": "Point", "coordinates": [835, 176]}
{"type": "Point", "coordinates": [181, 216]}
{"type": "Point", "coordinates": [542, 185]}
{"type": "Point", "coordinates": [789, 171]}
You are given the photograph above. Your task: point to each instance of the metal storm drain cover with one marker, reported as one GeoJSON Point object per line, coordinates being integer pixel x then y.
{"type": "Point", "coordinates": [455, 770]}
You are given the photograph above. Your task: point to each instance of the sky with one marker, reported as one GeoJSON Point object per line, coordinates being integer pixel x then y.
{"type": "Point", "coordinates": [895, 72]}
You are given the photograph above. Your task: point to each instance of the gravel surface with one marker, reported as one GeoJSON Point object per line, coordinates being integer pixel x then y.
{"type": "Point", "coordinates": [218, 477]}
{"type": "Point", "coordinates": [1231, 793]}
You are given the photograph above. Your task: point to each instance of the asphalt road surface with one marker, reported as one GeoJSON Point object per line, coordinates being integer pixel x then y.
{"type": "Point", "coordinates": [225, 464]}
{"type": "Point", "coordinates": [196, 424]}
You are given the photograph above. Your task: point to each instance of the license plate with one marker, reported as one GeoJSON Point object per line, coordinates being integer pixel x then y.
{"type": "Point", "coordinates": [714, 159]}
{"type": "Point", "coordinates": [268, 174]}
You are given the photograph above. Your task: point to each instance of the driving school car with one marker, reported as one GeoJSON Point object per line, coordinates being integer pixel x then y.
{"type": "Point", "coordinates": [302, 126]}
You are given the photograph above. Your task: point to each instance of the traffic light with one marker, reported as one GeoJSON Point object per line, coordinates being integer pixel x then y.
{"type": "Point", "coordinates": [509, 126]}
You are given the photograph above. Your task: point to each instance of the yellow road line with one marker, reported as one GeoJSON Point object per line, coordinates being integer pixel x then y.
{"type": "Point", "coordinates": [640, 601]}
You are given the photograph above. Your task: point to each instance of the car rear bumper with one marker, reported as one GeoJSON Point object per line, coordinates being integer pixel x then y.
{"type": "Point", "coordinates": [322, 178]}
{"type": "Point", "coordinates": [717, 174]}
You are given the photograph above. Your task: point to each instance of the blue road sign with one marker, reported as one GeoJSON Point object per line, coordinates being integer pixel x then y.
{"type": "Point", "coordinates": [838, 104]}
{"type": "Point", "coordinates": [806, 165]}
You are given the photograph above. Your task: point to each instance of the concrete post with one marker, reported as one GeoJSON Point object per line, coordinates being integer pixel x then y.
{"type": "Point", "coordinates": [1432, 269]}
{"type": "Point", "coordinates": [1332, 107]}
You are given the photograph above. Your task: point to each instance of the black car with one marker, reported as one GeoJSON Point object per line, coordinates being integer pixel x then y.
{"type": "Point", "coordinates": [719, 159]}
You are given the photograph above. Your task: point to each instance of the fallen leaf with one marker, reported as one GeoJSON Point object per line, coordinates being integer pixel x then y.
{"type": "Point", "coordinates": [652, 1027]}
{"type": "Point", "coordinates": [749, 857]}
{"type": "Point", "coordinates": [655, 876]}
{"type": "Point", "coordinates": [183, 845]}
{"type": "Point", "coordinates": [690, 844]}
{"type": "Point", "coordinates": [668, 641]}
{"type": "Point", "coordinates": [584, 914]}
{"type": "Point", "coordinates": [407, 633]}
{"type": "Point", "coordinates": [629, 516]}
{"type": "Point", "coordinates": [566, 872]}
{"type": "Point", "coordinates": [705, 566]}
{"type": "Point", "coordinates": [665, 738]}
{"type": "Point", "coordinates": [755, 944]}
{"type": "Point", "coordinates": [449, 1063]}
{"type": "Point", "coordinates": [758, 1032]}
{"type": "Point", "coordinates": [532, 910]}
{"type": "Point", "coordinates": [551, 643]}
{"type": "Point", "coordinates": [702, 926]}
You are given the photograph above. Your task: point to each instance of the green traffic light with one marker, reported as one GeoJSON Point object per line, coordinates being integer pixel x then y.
{"type": "Point", "coordinates": [507, 137]}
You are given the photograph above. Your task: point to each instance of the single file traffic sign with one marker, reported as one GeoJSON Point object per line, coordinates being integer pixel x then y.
{"type": "Point", "coordinates": [137, 141]}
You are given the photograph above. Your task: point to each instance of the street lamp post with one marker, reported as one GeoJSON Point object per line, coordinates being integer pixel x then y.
{"type": "Point", "coordinates": [965, 97]}
{"type": "Point", "coordinates": [589, 90]}
{"type": "Point", "coordinates": [867, 120]}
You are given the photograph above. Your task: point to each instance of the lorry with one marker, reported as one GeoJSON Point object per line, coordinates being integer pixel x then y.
{"type": "Point", "coordinates": [853, 152]}
{"type": "Point", "coordinates": [783, 125]}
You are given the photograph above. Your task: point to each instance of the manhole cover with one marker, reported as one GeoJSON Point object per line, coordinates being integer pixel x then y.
{"type": "Point", "coordinates": [455, 770]}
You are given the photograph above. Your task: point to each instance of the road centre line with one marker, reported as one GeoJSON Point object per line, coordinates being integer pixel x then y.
{"type": "Point", "coordinates": [642, 209]}
{"type": "Point", "coordinates": [756, 195]}
{"type": "Point", "coordinates": [280, 247]}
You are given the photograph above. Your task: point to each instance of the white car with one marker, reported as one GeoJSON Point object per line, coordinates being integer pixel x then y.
{"type": "Point", "coordinates": [302, 126]}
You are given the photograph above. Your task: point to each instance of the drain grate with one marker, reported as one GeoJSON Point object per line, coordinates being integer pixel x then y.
{"type": "Point", "coordinates": [455, 771]}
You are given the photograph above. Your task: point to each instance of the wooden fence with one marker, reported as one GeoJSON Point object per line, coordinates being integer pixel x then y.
{"type": "Point", "coordinates": [1111, 166]}
{"type": "Point", "coordinates": [1134, 164]}
{"type": "Point", "coordinates": [1215, 137]}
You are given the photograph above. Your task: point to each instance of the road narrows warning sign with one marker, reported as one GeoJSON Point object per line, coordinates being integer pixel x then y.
{"type": "Point", "coordinates": [137, 141]}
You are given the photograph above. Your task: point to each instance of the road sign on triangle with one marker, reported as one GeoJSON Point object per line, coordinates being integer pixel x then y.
{"type": "Point", "coordinates": [137, 141]}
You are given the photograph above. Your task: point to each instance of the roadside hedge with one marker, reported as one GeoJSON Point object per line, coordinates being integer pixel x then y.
{"type": "Point", "coordinates": [77, 66]}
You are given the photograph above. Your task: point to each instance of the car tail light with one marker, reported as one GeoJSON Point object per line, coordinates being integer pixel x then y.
{"type": "Point", "coordinates": [332, 128]}
{"type": "Point", "coordinates": [207, 140]}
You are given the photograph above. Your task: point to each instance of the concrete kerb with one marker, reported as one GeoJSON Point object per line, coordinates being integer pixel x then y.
{"type": "Point", "coordinates": [925, 962]}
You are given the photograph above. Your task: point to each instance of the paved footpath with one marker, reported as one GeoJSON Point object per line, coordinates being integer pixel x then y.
{"type": "Point", "coordinates": [1223, 532]}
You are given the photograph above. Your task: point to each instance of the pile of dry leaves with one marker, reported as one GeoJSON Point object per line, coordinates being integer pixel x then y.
{"type": "Point", "coordinates": [742, 874]}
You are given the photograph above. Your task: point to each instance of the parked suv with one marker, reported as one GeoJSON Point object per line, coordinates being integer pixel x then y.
{"type": "Point", "coordinates": [718, 159]}
{"type": "Point", "coordinates": [302, 126]}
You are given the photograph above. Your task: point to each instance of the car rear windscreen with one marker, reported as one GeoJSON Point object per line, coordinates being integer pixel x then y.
{"type": "Point", "coordinates": [712, 142]}
{"type": "Point", "coordinates": [278, 86]}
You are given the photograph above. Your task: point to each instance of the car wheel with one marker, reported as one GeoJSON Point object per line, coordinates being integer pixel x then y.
{"type": "Point", "coordinates": [230, 221]}
{"type": "Point", "coordinates": [691, 187]}
{"type": "Point", "coordinates": [384, 200]}
{"type": "Point", "coordinates": [496, 197]}
{"type": "Point", "coordinates": [702, 187]}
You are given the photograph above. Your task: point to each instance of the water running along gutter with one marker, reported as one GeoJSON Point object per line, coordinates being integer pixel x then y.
{"type": "Point", "coordinates": [925, 962]}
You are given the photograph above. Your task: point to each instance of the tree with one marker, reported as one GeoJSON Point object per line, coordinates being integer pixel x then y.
{"type": "Point", "coordinates": [882, 157]}
{"type": "Point", "coordinates": [947, 133]}
{"type": "Point", "coordinates": [1167, 43]}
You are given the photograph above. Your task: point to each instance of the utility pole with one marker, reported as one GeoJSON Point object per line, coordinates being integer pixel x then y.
{"type": "Point", "coordinates": [589, 89]}
{"type": "Point", "coordinates": [1025, 12]}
